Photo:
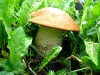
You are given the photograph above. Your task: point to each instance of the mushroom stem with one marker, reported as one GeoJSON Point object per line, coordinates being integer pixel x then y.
{"type": "Point", "coordinates": [47, 38]}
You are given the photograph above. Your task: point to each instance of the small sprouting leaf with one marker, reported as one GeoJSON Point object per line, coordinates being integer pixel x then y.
{"type": "Point", "coordinates": [18, 44]}
{"type": "Point", "coordinates": [51, 72]}
{"type": "Point", "coordinates": [53, 54]}
{"type": "Point", "coordinates": [93, 50]}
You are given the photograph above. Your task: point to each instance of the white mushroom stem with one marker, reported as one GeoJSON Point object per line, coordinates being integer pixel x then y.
{"type": "Point", "coordinates": [48, 38]}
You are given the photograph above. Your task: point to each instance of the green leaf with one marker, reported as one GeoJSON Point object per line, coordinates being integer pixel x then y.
{"type": "Point", "coordinates": [18, 4]}
{"type": "Point", "coordinates": [88, 2]}
{"type": "Point", "coordinates": [96, 10]}
{"type": "Point", "coordinates": [18, 44]}
{"type": "Point", "coordinates": [53, 54]}
{"type": "Point", "coordinates": [6, 73]}
{"type": "Point", "coordinates": [25, 12]}
{"type": "Point", "coordinates": [9, 68]}
{"type": "Point", "coordinates": [73, 73]}
{"type": "Point", "coordinates": [98, 34]}
{"type": "Point", "coordinates": [93, 16]}
{"type": "Point", "coordinates": [61, 4]}
{"type": "Point", "coordinates": [7, 8]}
{"type": "Point", "coordinates": [51, 72]}
{"type": "Point", "coordinates": [18, 67]}
{"type": "Point", "coordinates": [90, 17]}
{"type": "Point", "coordinates": [93, 50]}
{"type": "Point", "coordinates": [87, 60]}
{"type": "Point", "coordinates": [62, 71]}
{"type": "Point", "coordinates": [3, 36]}
{"type": "Point", "coordinates": [92, 31]}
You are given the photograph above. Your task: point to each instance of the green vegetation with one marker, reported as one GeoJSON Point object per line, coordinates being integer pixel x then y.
{"type": "Point", "coordinates": [18, 55]}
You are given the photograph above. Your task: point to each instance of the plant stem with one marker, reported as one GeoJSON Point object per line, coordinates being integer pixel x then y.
{"type": "Point", "coordinates": [32, 61]}
{"type": "Point", "coordinates": [72, 56]}
{"type": "Point", "coordinates": [86, 68]}
{"type": "Point", "coordinates": [35, 48]}
{"type": "Point", "coordinates": [75, 47]}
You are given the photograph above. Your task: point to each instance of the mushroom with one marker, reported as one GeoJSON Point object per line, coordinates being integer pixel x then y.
{"type": "Point", "coordinates": [53, 22]}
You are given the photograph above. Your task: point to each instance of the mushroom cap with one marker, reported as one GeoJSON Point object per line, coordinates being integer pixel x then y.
{"type": "Point", "coordinates": [55, 18]}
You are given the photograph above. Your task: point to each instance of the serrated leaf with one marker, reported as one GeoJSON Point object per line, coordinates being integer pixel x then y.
{"type": "Point", "coordinates": [52, 54]}
{"type": "Point", "coordinates": [25, 12]}
{"type": "Point", "coordinates": [7, 8]}
{"type": "Point", "coordinates": [6, 73]}
{"type": "Point", "coordinates": [9, 68]}
{"type": "Point", "coordinates": [93, 50]}
{"type": "Point", "coordinates": [18, 44]}
{"type": "Point", "coordinates": [7, 14]}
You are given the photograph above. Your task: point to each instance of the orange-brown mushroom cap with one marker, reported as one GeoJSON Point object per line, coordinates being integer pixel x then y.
{"type": "Point", "coordinates": [55, 18]}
